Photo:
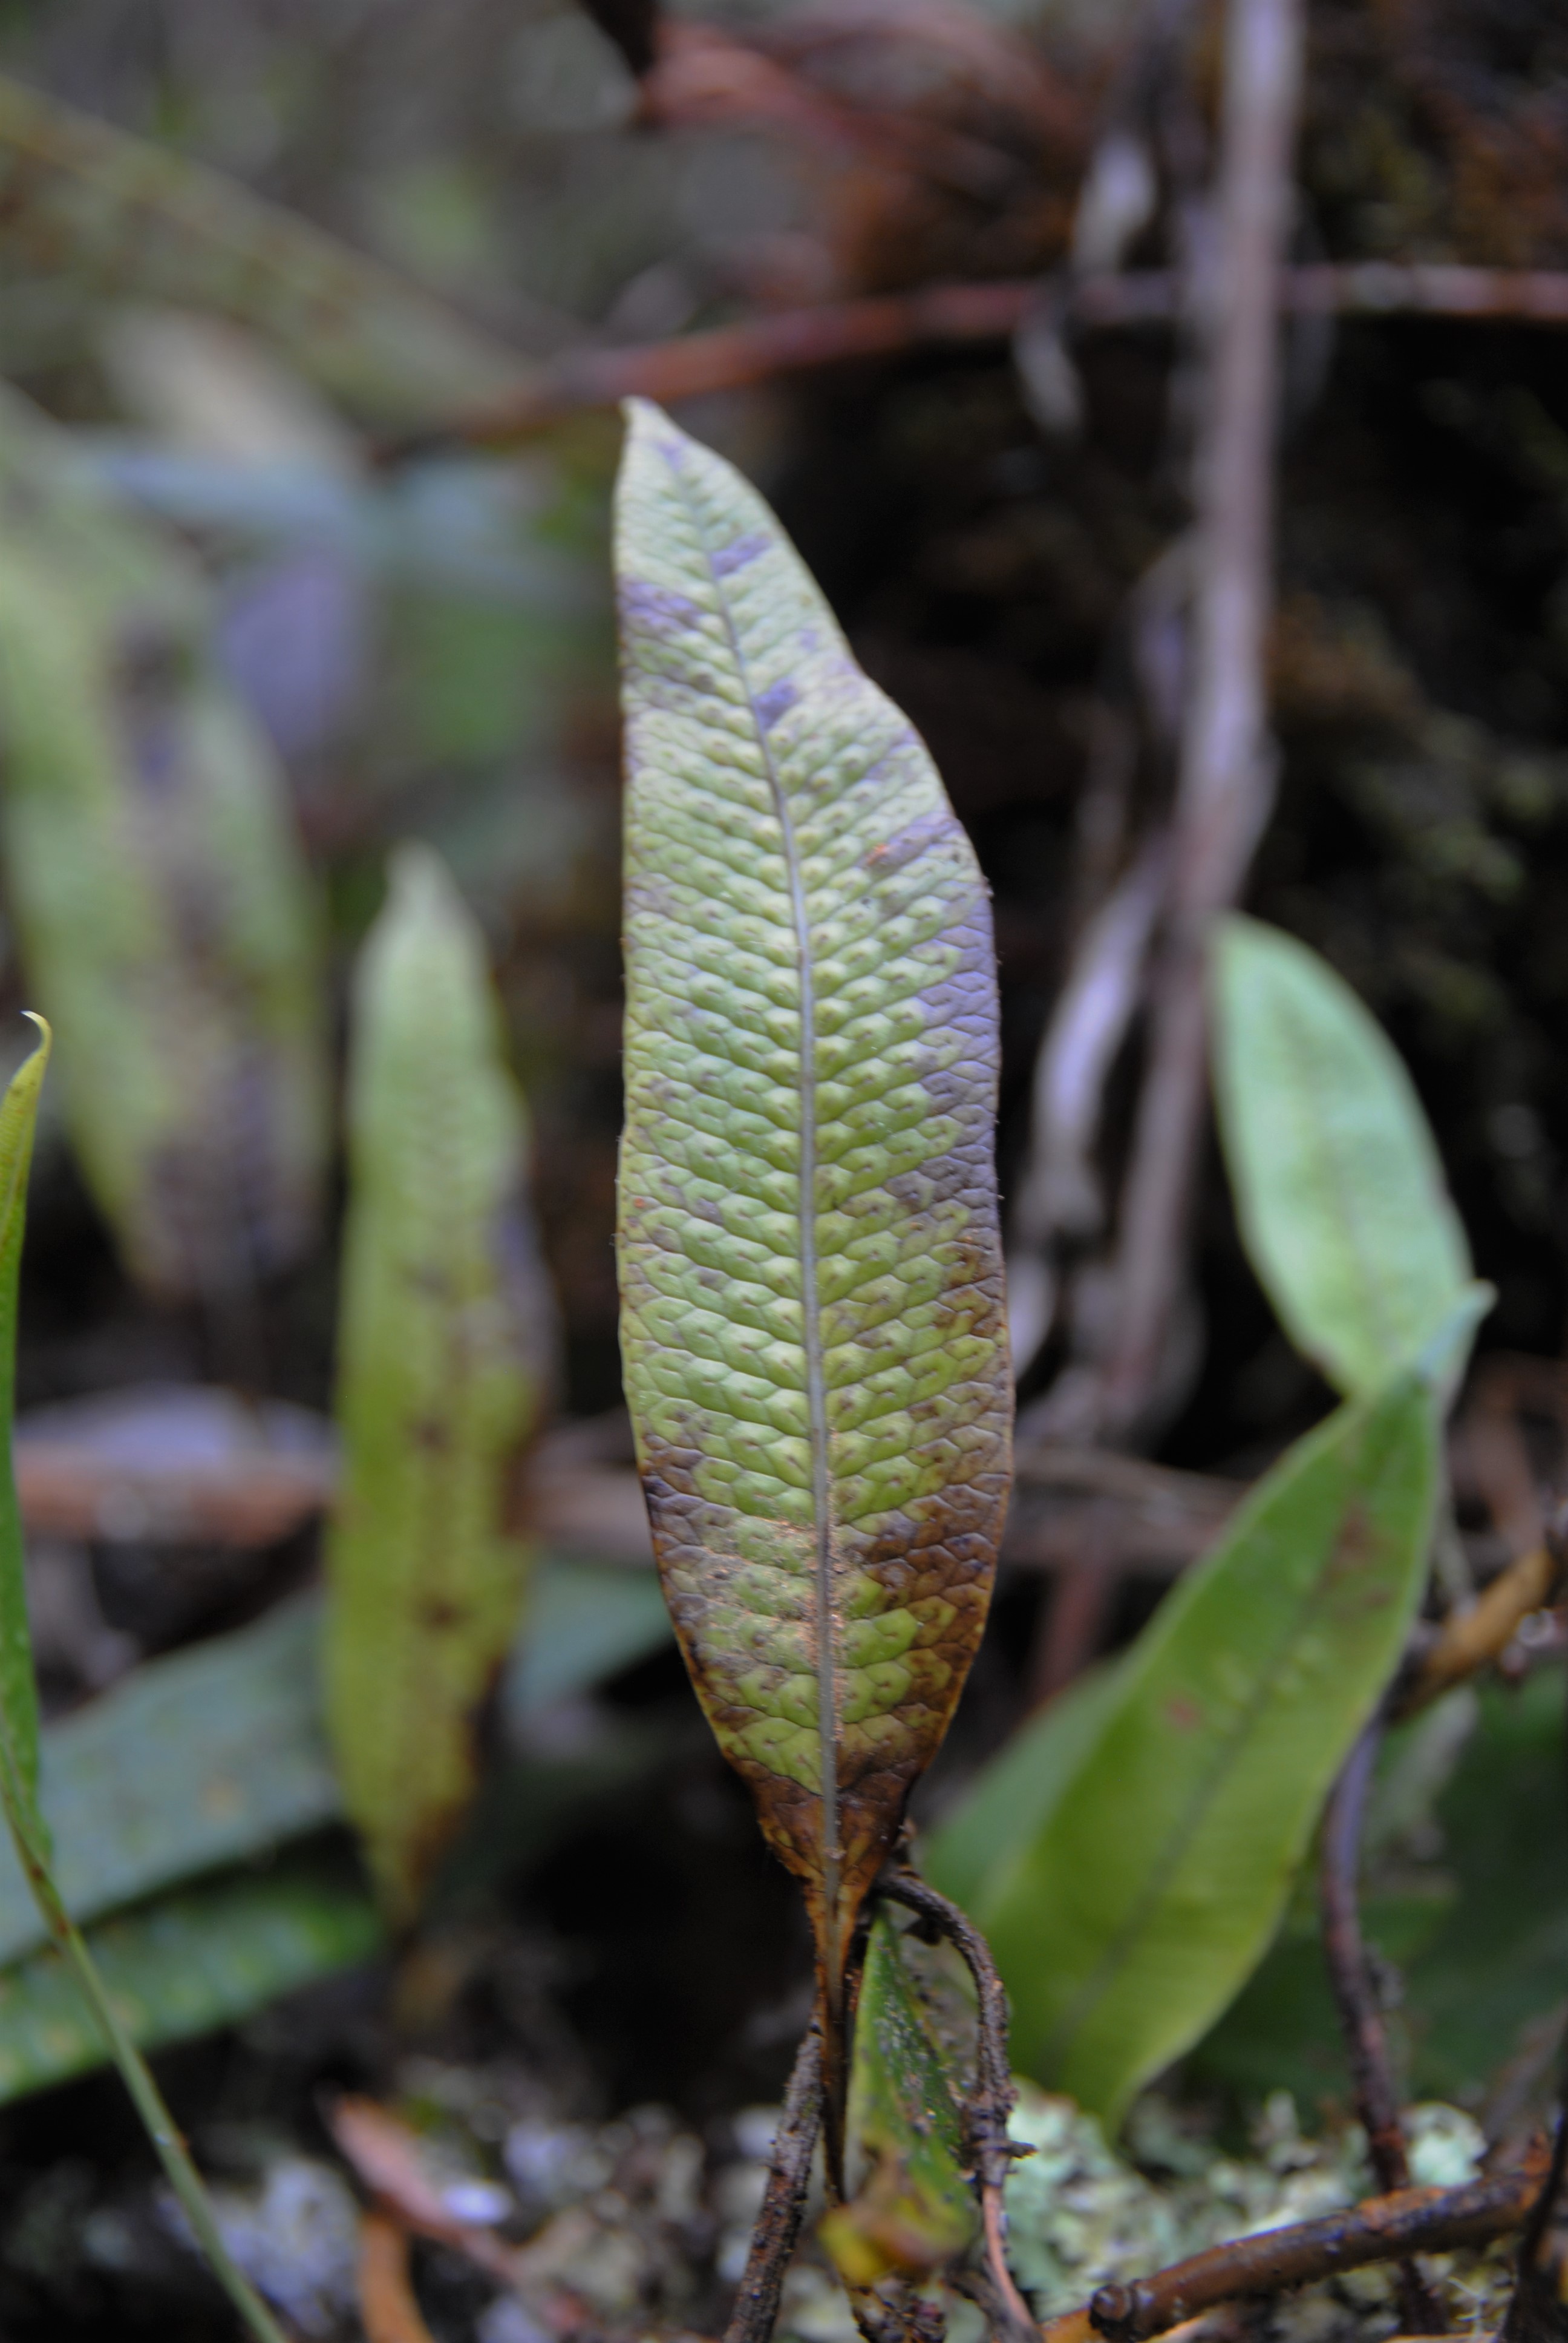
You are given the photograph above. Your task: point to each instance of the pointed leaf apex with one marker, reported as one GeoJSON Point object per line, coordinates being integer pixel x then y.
{"type": "Point", "coordinates": [645, 415]}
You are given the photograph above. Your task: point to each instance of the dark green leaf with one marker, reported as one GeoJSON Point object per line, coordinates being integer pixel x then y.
{"type": "Point", "coordinates": [206, 1957]}
{"type": "Point", "coordinates": [1127, 1922]}
{"type": "Point", "coordinates": [193, 1761]}
{"type": "Point", "coordinates": [911, 2208]}
{"type": "Point", "coordinates": [219, 1753]}
{"type": "Point", "coordinates": [1477, 1929]}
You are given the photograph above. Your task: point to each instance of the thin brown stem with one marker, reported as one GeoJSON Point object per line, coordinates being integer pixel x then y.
{"type": "Point", "coordinates": [1538, 2311]}
{"type": "Point", "coordinates": [1354, 1987]}
{"type": "Point", "coordinates": [1384, 2229]}
{"type": "Point", "coordinates": [835, 333]}
{"type": "Point", "coordinates": [1074, 1628]}
{"type": "Point", "coordinates": [773, 2240]}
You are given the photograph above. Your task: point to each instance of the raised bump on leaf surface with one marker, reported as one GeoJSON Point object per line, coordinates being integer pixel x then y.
{"type": "Point", "coordinates": [822, 1395]}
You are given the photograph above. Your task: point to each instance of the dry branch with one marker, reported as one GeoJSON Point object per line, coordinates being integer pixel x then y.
{"type": "Point", "coordinates": [1076, 1507]}
{"type": "Point", "coordinates": [1384, 2229]}
{"type": "Point", "coordinates": [1224, 781]}
{"type": "Point", "coordinates": [388, 2308]}
{"type": "Point", "coordinates": [1538, 2312]}
{"type": "Point", "coordinates": [832, 333]}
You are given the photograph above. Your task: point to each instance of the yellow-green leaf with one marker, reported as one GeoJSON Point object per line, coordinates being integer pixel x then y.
{"type": "Point", "coordinates": [160, 900]}
{"type": "Point", "coordinates": [1339, 1188]}
{"type": "Point", "coordinates": [442, 1350]}
{"type": "Point", "coordinates": [811, 1310]}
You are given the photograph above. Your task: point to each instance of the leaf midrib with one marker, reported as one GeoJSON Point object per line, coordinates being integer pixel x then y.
{"type": "Point", "coordinates": [811, 1327]}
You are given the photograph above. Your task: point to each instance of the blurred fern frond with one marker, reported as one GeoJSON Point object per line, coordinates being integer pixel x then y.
{"type": "Point", "coordinates": [160, 900]}
{"type": "Point", "coordinates": [83, 201]}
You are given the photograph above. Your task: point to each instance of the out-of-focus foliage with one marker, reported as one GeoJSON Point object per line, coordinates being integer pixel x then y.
{"type": "Point", "coordinates": [1338, 1186]}
{"type": "Point", "coordinates": [1151, 1887]}
{"type": "Point", "coordinates": [125, 216]}
{"type": "Point", "coordinates": [218, 1755]}
{"type": "Point", "coordinates": [163, 915]}
{"type": "Point", "coordinates": [203, 1957]}
{"type": "Point", "coordinates": [445, 1346]}
{"type": "Point", "coordinates": [911, 2208]}
{"type": "Point", "coordinates": [425, 645]}
{"type": "Point", "coordinates": [196, 1760]}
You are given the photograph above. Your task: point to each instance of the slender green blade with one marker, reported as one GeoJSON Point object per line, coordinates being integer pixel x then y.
{"type": "Point", "coordinates": [110, 212]}
{"type": "Point", "coordinates": [1340, 1195]}
{"type": "Point", "coordinates": [913, 2208]}
{"type": "Point", "coordinates": [811, 1309]}
{"type": "Point", "coordinates": [165, 920]}
{"type": "Point", "coordinates": [442, 1350]}
{"type": "Point", "coordinates": [1162, 1867]}
{"type": "Point", "coordinates": [206, 1957]}
{"type": "Point", "coordinates": [18, 1688]}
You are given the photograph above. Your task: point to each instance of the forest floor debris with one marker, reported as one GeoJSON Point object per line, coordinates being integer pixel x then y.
{"type": "Point", "coordinates": [638, 2226]}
